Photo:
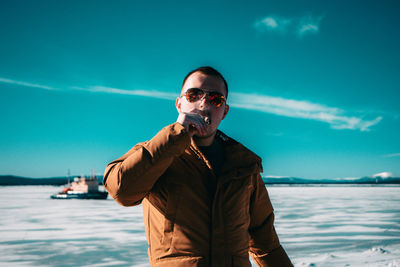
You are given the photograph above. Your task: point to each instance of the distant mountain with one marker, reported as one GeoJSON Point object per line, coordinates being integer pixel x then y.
{"type": "Point", "coordinates": [17, 180]}
{"type": "Point", "coordinates": [375, 179]}
{"type": "Point", "coordinates": [361, 180]}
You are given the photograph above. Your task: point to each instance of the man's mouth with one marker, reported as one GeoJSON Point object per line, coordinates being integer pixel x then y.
{"type": "Point", "coordinates": [207, 120]}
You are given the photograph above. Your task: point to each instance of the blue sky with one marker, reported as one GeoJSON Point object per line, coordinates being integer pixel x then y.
{"type": "Point", "coordinates": [314, 85]}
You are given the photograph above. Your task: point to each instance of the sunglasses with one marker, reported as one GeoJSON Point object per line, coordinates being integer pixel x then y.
{"type": "Point", "coordinates": [196, 94]}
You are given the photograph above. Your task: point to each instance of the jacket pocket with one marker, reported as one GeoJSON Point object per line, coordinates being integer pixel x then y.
{"type": "Point", "coordinates": [180, 261]}
{"type": "Point", "coordinates": [174, 196]}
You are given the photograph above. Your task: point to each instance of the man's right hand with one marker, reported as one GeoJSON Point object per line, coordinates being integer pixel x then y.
{"type": "Point", "coordinates": [193, 123]}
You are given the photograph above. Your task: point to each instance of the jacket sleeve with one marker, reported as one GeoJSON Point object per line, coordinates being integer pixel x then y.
{"type": "Point", "coordinates": [130, 178]}
{"type": "Point", "coordinates": [265, 248]}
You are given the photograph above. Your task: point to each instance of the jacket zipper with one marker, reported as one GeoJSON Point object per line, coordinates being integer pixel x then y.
{"type": "Point", "coordinates": [201, 157]}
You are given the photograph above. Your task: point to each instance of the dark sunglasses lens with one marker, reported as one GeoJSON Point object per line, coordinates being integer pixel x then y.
{"type": "Point", "coordinates": [216, 99]}
{"type": "Point", "coordinates": [194, 94]}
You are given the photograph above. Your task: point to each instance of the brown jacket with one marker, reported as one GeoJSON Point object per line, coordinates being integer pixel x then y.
{"type": "Point", "coordinates": [186, 224]}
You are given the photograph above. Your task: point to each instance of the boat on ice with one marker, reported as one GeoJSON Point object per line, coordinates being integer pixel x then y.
{"type": "Point", "coordinates": [81, 188]}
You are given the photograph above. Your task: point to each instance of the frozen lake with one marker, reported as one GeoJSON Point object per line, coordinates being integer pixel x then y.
{"type": "Point", "coordinates": [318, 226]}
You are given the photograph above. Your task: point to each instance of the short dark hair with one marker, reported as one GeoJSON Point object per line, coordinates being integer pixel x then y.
{"type": "Point", "coordinates": [208, 71]}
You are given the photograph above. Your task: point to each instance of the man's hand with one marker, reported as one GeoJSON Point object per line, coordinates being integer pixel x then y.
{"type": "Point", "coordinates": [193, 123]}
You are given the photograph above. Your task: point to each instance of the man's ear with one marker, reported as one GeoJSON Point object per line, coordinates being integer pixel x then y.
{"type": "Point", "coordinates": [225, 111]}
{"type": "Point", "coordinates": [178, 104]}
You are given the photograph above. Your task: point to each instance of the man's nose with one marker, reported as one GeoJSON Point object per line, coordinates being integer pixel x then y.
{"type": "Point", "coordinates": [204, 101]}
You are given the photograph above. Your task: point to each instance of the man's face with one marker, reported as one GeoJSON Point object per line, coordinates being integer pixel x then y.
{"type": "Point", "coordinates": [203, 106]}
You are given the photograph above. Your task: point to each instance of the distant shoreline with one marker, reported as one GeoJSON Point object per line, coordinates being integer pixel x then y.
{"type": "Point", "coordinates": [367, 180]}
{"type": "Point", "coordinates": [11, 180]}
{"type": "Point", "coordinates": [333, 185]}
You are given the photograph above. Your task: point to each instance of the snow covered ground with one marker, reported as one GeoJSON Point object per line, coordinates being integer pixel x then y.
{"type": "Point", "coordinates": [318, 226]}
{"type": "Point", "coordinates": [339, 226]}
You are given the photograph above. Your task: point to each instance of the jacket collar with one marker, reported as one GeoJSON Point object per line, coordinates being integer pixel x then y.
{"type": "Point", "coordinates": [239, 160]}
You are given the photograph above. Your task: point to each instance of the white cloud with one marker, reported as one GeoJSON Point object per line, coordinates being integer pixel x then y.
{"type": "Point", "coordinates": [307, 28]}
{"type": "Point", "coordinates": [299, 26]}
{"type": "Point", "coordinates": [272, 23]}
{"type": "Point", "coordinates": [3, 80]}
{"type": "Point", "coordinates": [152, 93]}
{"type": "Point", "coordinates": [263, 103]}
{"type": "Point", "coordinates": [383, 175]}
{"type": "Point", "coordinates": [301, 109]}
{"type": "Point", "coordinates": [392, 155]}
{"type": "Point", "coordinates": [308, 25]}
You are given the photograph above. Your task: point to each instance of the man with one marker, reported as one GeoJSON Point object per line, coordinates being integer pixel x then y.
{"type": "Point", "coordinates": [204, 202]}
